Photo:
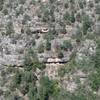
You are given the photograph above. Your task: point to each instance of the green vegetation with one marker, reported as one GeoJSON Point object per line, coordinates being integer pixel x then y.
{"type": "Point", "coordinates": [41, 48]}
{"type": "Point", "coordinates": [48, 45]}
{"type": "Point", "coordinates": [61, 71]}
{"type": "Point", "coordinates": [17, 79]}
{"type": "Point", "coordinates": [50, 35]}
{"type": "Point", "coordinates": [33, 42]}
{"type": "Point", "coordinates": [66, 45]}
{"type": "Point", "coordinates": [78, 17]}
{"type": "Point", "coordinates": [22, 1]}
{"type": "Point", "coordinates": [81, 3]}
{"type": "Point", "coordinates": [72, 17]}
{"type": "Point", "coordinates": [46, 17]}
{"type": "Point", "coordinates": [31, 61]}
{"type": "Point", "coordinates": [66, 5]}
{"type": "Point", "coordinates": [96, 1]}
{"type": "Point", "coordinates": [60, 54]}
{"type": "Point", "coordinates": [97, 9]}
{"type": "Point", "coordinates": [78, 34]}
{"type": "Point", "coordinates": [86, 24]}
{"type": "Point", "coordinates": [94, 78]}
{"type": "Point", "coordinates": [5, 11]}
{"type": "Point", "coordinates": [95, 81]}
{"type": "Point", "coordinates": [67, 17]}
{"type": "Point", "coordinates": [48, 88]}
{"type": "Point", "coordinates": [32, 94]}
{"type": "Point", "coordinates": [1, 4]}
{"type": "Point", "coordinates": [37, 36]}
{"type": "Point", "coordinates": [71, 43]}
{"type": "Point", "coordinates": [9, 28]}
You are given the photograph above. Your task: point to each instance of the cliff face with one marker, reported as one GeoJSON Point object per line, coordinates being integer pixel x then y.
{"type": "Point", "coordinates": [13, 37]}
{"type": "Point", "coordinates": [52, 31]}
{"type": "Point", "coordinates": [20, 19]}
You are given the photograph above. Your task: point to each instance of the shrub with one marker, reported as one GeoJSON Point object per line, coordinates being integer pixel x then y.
{"type": "Point", "coordinates": [62, 71]}
{"type": "Point", "coordinates": [30, 59]}
{"type": "Point", "coordinates": [97, 9]}
{"type": "Point", "coordinates": [66, 5]}
{"type": "Point", "coordinates": [1, 4]}
{"type": "Point", "coordinates": [16, 97]}
{"type": "Point", "coordinates": [69, 17]}
{"type": "Point", "coordinates": [71, 1]}
{"type": "Point", "coordinates": [9, 28]}
{"type": "Point", "coordinates": [37, 36]}
{"type": "Point", "coordinates": [90, 35]}
{"type": "Point", "coordinates": [1, 7]}
{"type": "Point", "coordinates": [60, 54]}
{"type": "Point", "coordinates": [50, 35]}
{"type": "Point", "coordinates": [78, 41]}
{"type": "Point", "coordinates": [51, 1]}
{"type": "Point", "coordinates": [66, 45]}
{"type": "Point", "coordinates": [17, 79]}
{"type": "Point", "coordinates": [78, 17]}
{"type": "Point", "coordinates": [22, 1]}
{"type": "Point", "coordinates": [86, 24]}
{"type": "Point", "coordinates": [46, 16]}
{"type": "Point", "coordinates": [5, 11]}
{"type": "Point", "coordinates": [81, 4]}
{"type": "Point", "coordinates": [48, 88]}
{"type": "Point", "coordinates": [72, 17]}
{"type": "Point", "coordinates": [91, 5]}
{"type": "Point", "coordinates": [28, 32]}
{"type": "Point", "coordinates": [41, 48]}
{"type": "Point", "coordinates": [7, 93]}
{"type": "Point", "coordinates": [48, 45]}
{"type": "Point", "coordinates": [66, 16]}
{"type": "Point", "coordinates": [20, 11]}
{"type": "Point", "coordinates": [78, 34]}
{"type": "Point", "coordinates": [25, 19]}
{"type": "Point", "coordinates": [97, 1]}
{"type": "Point", "coordinates": [32, 94]}
{"type": "Point", "coordinates": [24, 88]}
{"type": "Point", "coordinates": [33, 2]}
{"type": "Point", "coordinates": [95, 76]}
{"type": "Point", "coordinates": [1, 92]}
{"type": "Point", "coordinates": [95, 81]}
{"type": "Point", "coordinates": [33, 43]}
